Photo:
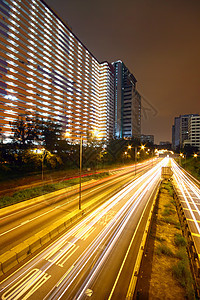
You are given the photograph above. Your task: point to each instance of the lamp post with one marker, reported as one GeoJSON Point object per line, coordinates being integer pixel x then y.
{"type": "Point", "coordinates": [43, 154]}
{"type": "Point", "coordinates": [135, 155]}
{"type": "Point", "coordinates": [81, 147]}
{"type": "Point", "coordinates": [135, 158]}
{"type": "Point", "coordinates": [67, 135]}
{"type": "Point", "coordinates": [181, 156]}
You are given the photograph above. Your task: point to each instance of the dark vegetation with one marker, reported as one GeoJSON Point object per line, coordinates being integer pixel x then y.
{"type": "Point", "coordinates": [192, 165]}
{"type": "Point", "coordinates": [181, 268]}
{"type": "Point", "coordinates": [42, 190]}
{"type": "Point", "coordinates": [35, 145]}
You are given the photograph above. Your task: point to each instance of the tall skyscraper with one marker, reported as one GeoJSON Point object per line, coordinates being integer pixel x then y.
{"type": "Point", "coordinates": [46, 71]}
{"type": "Point", "coordinates": [127, 103]}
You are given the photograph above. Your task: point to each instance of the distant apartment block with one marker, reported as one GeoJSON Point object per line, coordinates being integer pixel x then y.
{"type": "Point", "coordinates": [127, 106]}
{"type": "Point", "coordinates": [180, 130]}
{"type": "Point", "coordinates": [193, 132]}
{"type": "Point", "coordinates": [145, 138]}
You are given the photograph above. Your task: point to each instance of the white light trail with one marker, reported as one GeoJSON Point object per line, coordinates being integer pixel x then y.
{"type": "Point", "coordinates": [109, 235]}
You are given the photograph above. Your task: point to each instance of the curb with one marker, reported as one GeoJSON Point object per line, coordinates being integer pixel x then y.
{"type": "Point", "coordinates": [134, 278]}
{"type": "Point", "coordinates": [38, 199]}
{"type": "Point", "coordinates": [17, 254]}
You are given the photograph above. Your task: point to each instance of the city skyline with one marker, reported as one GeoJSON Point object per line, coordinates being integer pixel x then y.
{"type": "Point", "coordinates": [163, 58]}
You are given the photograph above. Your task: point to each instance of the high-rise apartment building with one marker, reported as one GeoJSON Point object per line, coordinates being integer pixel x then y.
{"type": "Point", "coordinates": [194, 131]}
{"type": "Point", "coordinates": [46, 71]}
{"type": "Point", "coordinates": [180, 130]}
{"type": "Point", "coordinates": [127, 103]}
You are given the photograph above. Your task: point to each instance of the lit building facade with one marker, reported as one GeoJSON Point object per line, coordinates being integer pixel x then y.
{"type": "Point", "coordinates": [127, 103]}
{"type": "Point", "coordinates": [145, 139]}
{"type": "Point", "coordinates": [194, 131]}
{"type": "Point", "coordinates": [180, 130]}
{"type": "Point", "coordinates": [46, 72]}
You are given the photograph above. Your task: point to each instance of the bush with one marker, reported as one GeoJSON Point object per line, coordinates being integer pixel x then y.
{"type": "Point", "coordinates": [182, 254]}
{"type": "Point", "coordinates": [42, 190]}
{"type": "Point", "coordinates": [168, 212]}
{"type": "Point", "coordinates": [179, 240]}
{"type": "Point", "coordinates": [181, 272]}
{"type": "Point", "coordinates": [168, 186]}
{"type": "Point", "coordinates": [171, 221]}
{"type": "Point", "coordinates": [163, 249]}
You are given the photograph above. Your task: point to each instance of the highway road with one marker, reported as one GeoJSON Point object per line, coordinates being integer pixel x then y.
{"type": "Point", "coordinates": [189, 195]}
{"type": "Point", "coordinates": [96, 257]}
{"type": "Point", "coordinates": [19, 224]}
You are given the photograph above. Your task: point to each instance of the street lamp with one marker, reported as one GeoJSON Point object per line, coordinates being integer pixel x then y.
{"type": "Point", "coordinates": [135, 158]}
{"type": "Point", "coordinates": [43, 151]}
{"type": "Point", "coordinates": [130, 147]}
{"type": "Point", "coordinates": [81, 147]}
{"type": "Point", "coordinates": [68, 135]}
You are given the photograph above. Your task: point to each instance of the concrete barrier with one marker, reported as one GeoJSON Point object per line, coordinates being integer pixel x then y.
{"type": "Point", "coordinates": [1, 270]}
{"type": "Point", "coordinates": [134, 278]}
{"type": "Point", "coordinates": [27, 203]}
{"type": "Point", "coordinates": [193, 255]}
{"type": "Point", "coordinates": [17, 254]}
{"type": "Point", "coordinates": [22, 253]}
{"type": "Point", "coordinates": [8, 261]}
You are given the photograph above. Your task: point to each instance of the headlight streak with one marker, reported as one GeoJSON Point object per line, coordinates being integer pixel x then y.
{"type": "Point", "coordinates": [192, 186]}
{"type": "Point", "coordinates": [102, 236]}
{"type": "Point", "coordinates": [185, 185]}
{"type": "Point", "coordinates": [93, 218]}
{"type": "Point", "coordinates": [92, 249]}
{"type": "Point", "coordinates": [102, 259]}
{"type": "Point", "coordinates": [37, 204]}
{"type": "Point", "coordinates": [112, 201]}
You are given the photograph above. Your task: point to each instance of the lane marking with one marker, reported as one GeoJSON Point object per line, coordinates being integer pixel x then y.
{"type": "Point", "coordinates": [61, 280]}
{"type": "Point", "coordinates": [53, 209]}
{"type": "Point", "coordinates": [195, 234]}
{"type": "Point", "coordinates": [191, 220]}
{"type": "Point", "coordinates": [59, 256]}
{"type": "Point", "coordinates": [127, 252]}
{"type": "Point", "coordinates": [25, 287]}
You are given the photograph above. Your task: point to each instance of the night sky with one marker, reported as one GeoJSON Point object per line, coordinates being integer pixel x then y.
{"type": "Point", "coordinates": [158, 40]}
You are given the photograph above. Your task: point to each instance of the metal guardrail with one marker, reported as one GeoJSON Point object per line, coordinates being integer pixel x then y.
{"type": "Point", "coordinates": [194, 257]}
{"type": "Point", "coordinates": [131, 294]}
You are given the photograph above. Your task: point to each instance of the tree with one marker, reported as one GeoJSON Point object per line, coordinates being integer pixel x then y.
{"type": "Point", "coordinates": [50, 134]}
{"type": "Point", "coordinates": [189, 150]}
{"type": "Point", "coordinates": [25, 132]}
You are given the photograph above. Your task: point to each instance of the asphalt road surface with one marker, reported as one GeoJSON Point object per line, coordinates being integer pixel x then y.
{"type": "Point", "coordinates": [96, 258]}
{"type": "Point", "coordinates": [17, 225]}
{"type": "Point", "coordinates": [189, 195]}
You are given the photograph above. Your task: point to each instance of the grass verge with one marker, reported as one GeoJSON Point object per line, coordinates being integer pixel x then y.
{"type": "Point", "coordinates": [170, 266]}
{"type": "Point", "coordinates": [42, 190]}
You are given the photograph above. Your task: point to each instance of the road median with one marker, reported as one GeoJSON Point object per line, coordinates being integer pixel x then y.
{"type": "Point", "coordinates": [17, 254]}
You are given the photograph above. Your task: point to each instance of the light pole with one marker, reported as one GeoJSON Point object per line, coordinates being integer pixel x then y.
{"type": "Point", "coordinates": [67, 135]}
{"type": "Point", "coordinates": [81, 147]}
{"type": "Point", "coordinates": [43, 154]}
{"type": "Point", "coordinates": [135, 155]}
{"type": "Point", "coordinates": [135, 158]}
